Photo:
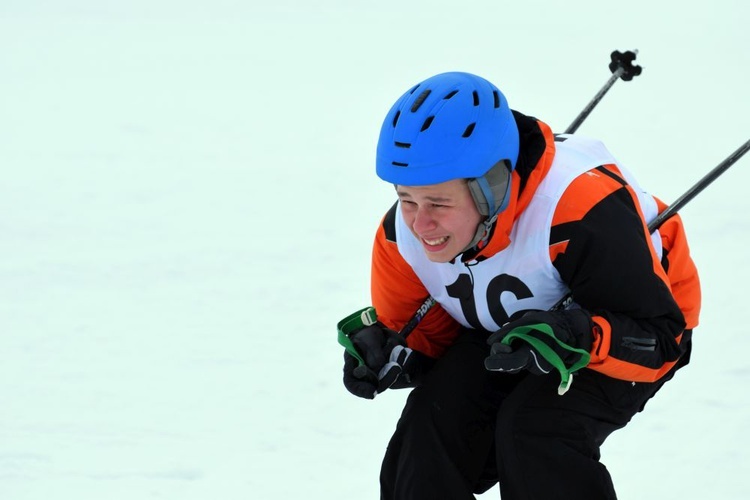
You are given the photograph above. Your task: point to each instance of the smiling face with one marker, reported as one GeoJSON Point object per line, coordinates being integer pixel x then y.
{"type": "Point", "coordinates": [443, 217]}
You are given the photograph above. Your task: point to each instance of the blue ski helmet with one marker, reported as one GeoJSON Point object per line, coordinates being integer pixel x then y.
{"type": "Point", "coordinates": [451, 126]}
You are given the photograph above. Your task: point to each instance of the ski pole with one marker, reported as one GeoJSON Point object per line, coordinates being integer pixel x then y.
{"type": "Point", "coordinates": [366, 317]}
{"type": "Point", "coordinates": [698, 187]}
{"type": "Point", "coordinates": [621, 67]}
{"type": "Point", "coordinates": [417, 317]}
{"type": "Point", "coordinates": [680, 202]}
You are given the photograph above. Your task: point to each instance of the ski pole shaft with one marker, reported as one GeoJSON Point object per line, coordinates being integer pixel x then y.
{"type": "Point", "coordinates": [698, 187]}
{"type": "Point", "coordinates": [622, 67]}
{"type": "Point", "coordinates": [417, 317]}
{"type": "Point", "coordinates": [591, 105]}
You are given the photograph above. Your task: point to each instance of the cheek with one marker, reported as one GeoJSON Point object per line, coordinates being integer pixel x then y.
{"type": "Point", "coordinates": [474, 220]}
{"type": "Point", "coordinates": [471, 219]}
{"type": "Point", "coordinates": [468, 226]}
{"type": "Point", "coordinates": [408, 216]}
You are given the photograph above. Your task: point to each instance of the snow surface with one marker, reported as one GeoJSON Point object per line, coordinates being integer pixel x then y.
{"type": "Point", "coordinates": [188, 201]}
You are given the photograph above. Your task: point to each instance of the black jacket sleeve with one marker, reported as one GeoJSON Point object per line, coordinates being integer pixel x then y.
{"type": "Point", "coordinates": [613, 271]}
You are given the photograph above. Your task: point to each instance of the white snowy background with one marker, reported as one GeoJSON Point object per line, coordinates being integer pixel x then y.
{"type": "Point", "coordinates": [187, 204]}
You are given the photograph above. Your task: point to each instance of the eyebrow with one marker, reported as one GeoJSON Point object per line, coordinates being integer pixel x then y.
{"type": "Point", "coordinates": [434, 199]}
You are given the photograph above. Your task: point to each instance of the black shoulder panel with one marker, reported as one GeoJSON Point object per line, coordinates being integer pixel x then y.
{"type": "Point", "coordinates": [532, 145]}
{"type": "Point", "coordinates": [389, 223]}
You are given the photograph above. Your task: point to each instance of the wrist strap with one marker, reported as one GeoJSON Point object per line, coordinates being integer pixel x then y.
{"type": "Point", "coordinates": [352, 323]}
{"type": "Point", "coordinates": [548, 353]}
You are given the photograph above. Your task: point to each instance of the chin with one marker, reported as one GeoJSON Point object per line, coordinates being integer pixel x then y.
{"type": "Point", "coordinates": [439, 257]}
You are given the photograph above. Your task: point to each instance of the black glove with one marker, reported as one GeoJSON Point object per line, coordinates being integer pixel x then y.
{"type": "Point", "coordinates": [541, 341]}
{"type": "Point", "coordinates": [388, 362]}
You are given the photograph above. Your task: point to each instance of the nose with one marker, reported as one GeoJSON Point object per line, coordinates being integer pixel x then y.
{"type": "Point", "coordinates": [423, 221]}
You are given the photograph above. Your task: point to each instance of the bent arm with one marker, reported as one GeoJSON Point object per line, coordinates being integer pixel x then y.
{"type": "Point", "coordinates": [600, 245]}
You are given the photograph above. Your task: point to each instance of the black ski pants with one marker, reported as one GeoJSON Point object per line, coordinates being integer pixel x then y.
{"type": "Point", "coordinates": [464, 429]}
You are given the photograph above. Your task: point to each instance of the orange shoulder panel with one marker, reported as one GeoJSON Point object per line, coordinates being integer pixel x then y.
{"type": "Point", "coordinates": [585, 192]}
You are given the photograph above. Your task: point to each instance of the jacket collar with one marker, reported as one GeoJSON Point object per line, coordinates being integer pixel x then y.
{"type": "Point", "coordinates": [537, 150]}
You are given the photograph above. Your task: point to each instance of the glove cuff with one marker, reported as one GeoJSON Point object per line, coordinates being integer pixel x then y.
{"type": "Point", "coordinates": [580, 326]}
{"type": "Point", "coordinates": [415, 366]}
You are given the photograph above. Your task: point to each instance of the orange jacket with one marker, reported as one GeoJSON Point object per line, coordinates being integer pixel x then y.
{"type": "Point", "coordinates": [599, 244]}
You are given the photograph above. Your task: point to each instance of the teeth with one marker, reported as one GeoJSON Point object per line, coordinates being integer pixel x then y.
{"type": "Point", "coordinates": [436, 242]}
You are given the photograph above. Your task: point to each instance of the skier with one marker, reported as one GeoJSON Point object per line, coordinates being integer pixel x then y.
{"type": "Point", "coordinates": [497, 219]}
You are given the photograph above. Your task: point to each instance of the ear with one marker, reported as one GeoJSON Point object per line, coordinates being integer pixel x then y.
{"type": "Point", "coordinates": [490, 192]}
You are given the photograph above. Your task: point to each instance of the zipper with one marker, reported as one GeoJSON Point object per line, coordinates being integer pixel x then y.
{"type": "Point", "coordinates": [639, 344]}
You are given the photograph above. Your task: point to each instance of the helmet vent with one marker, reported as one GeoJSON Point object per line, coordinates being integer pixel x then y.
{"type": "Point", "coordinates": [420, 100]}
{"type": "Point", "coordinates": [497, 98]}
{"type": "Point", "coordinates": [476, 98]}
{"type": "Point", "coordinates": [427, 123]}
{"type": "Point", "coordinates": [404, 145]}
{"type": "Point", "coordinates": [451, 94]}
{"type": "Point", "coordinates": [399, 164]}
{"type": "Point", "coordinates": [469, 130]}
{"type": "Point", "coordinates": [395, 118]}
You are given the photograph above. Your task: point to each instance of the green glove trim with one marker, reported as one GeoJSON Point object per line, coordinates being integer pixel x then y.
{"type": "Point", "coordinates": [355, 321]}
{"type": "Point", "coordinates": [566, 373]}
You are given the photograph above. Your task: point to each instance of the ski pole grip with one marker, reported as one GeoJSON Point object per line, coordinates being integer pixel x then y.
{"type": "Point", "coordinates": [622, 62]}
{"type": "Point", "coordinates": [353, 323]}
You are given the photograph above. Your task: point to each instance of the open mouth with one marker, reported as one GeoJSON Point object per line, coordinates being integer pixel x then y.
{"type": "Point", "coordinates": [436, 242]}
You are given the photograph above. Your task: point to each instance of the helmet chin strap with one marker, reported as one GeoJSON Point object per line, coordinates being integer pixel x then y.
{"type": "Point", "coordinates": [482, 234]}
